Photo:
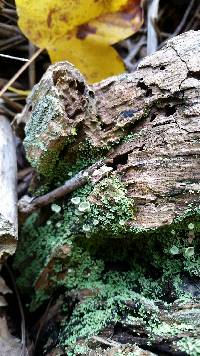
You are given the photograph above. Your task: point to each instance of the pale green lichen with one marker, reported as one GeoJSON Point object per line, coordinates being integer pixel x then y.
{"type": "Point", "coordinates": [100, 240]}
{"type": "Point", "coordinates": [45, 112]}
{"type": "Point", "coordinates": [189, 345]}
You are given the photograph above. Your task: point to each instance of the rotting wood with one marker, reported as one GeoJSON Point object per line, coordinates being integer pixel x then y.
{"type": "Point", "coordinates": [151, 119]}
{"type": "Point", "coordinates": [8, 195]}
{"type": "Point", "coordinates": [155, 111]}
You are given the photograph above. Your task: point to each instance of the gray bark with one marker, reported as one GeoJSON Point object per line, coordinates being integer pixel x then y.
{"type": "Point", "coordinates": [8, 196]}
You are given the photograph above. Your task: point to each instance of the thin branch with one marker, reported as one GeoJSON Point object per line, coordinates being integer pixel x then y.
{"type": "Point", "coordinates": [152, 38]}
{"type": "Point", "coordinates": [9, 28]}
{"type": "Point", "coordinates": [31, 72]}
{"type": "Point", "coordinates": [184, 19]}
{"type": "Point", "coordinates": [12, 103]}
{"type": "Point", "coordinates": [20, 71]}
{"type": "Point", "coordinates": [5, 45]}
{"type": "Point", "coordinates": [16, 58]}
{"type": "Point", "coordinates": [107, 342]}
{"type": "Point", "coordinates": [27, 207]}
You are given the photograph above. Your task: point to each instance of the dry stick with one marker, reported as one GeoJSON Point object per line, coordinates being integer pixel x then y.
{"type": "Point", "coordinates": [15, 106]}
{"type": "Point", "coordinates": [184, 19]}
{"type": "Point", "coordinates": [8, 196]}
{"type": "Point", "coordinates": [180, 26]}
{"type": "Point", "coordinates": [70, 185]}
{"type": "Point", "coordinates": [9, 28]}
{"type": "Point", "coordinates": [133, 49]}
{"type": "Point", "coordinates": [16, 41]}
{"type": "Point", "coordinates": [6, 111]}
{"type": "Point", "coordinates": [152, 38]}
{"type": "Point", "coordinates": [13, 57]}
{"type": "Point", "coordinates": [9, 12]}
{"type": "Point", "coordinates": [31, 72]}
{"type": "Point", "coordinates": [20, 71]}
{"type": "Point", "coordinates": [10, 40]}
{"type": "Point", "coordinates": [107, 342]}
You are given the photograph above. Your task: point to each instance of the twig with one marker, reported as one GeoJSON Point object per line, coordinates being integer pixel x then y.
{"type": "Point", "coordinates": [8, 4]}
{"type": "Point", "coordinates": [12, 103]}
{"type": "Point", "coordinates": [9, 28]}
{"type": "Point", "coordinates": [80, 179]}
{"type": "Point", "coordinates": [7, 112]}
{"type": "Point", "coordinates": [10, 40]}
{"type": "Point", "coordinates": [152, 38]}
{"type": "Point", "coordinates": [107, 342]}
{"type": "Point", "coordinates": [31, 72]}
{"type": "Point", "coordinates": [20, 71]}
{"type": "Point", "coordinates": [180, 26]}
{"type": "Point", "coordinates": [184, 19]}
{"type": "Point", "coordinates": [133, 49]}
{"type": "Point", "coordinates": [12, 57]}
{"type": "Point", "coordinates": [10, 43]}
{"type": "Point", "coordinates": [11, 12]}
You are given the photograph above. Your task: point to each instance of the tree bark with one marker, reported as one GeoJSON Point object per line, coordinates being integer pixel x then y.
{"type": "Point", "coordinates": [8, 201]}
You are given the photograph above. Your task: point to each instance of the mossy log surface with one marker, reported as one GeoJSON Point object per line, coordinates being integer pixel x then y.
{"type": "Point", "coordinates": [124, 249]}
{"type": "Point", "coordinates": [145, 124]}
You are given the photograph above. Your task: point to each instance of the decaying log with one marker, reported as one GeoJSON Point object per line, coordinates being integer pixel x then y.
{"type": "Point", "coordinates": [8, 196]}
{"type": "Point", "coordinates": [162, 340]}
{"type": "Point", "coordinates": [150, 118]}
{"type": "Point", "coordinates": [144, 128]}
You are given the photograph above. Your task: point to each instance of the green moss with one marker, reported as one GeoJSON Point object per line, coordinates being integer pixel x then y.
{"type": "Point", "coordinates": [107, 306]}
{"type": "Point", "coordinates": [92, 229]}
{"type": "Point", "coordinates": [109, 261]}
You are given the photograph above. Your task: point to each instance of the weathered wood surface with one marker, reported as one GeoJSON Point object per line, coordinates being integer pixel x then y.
{"type": "Point", "coordinates": [8, 195]}
{"type": "Point", "coordinates": [158, 106]}
{"type": "Point", "coordinates": [136, 333]}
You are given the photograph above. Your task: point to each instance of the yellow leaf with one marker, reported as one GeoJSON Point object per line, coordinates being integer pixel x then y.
{"type": "Point", "coordinates": [42, 21]}
{"type": "Point", "coordinates": [81, 31]}
{"type": "Point", "coordinates": [112, 28]}
{"type": "Point", "coordinates": [95, 61]}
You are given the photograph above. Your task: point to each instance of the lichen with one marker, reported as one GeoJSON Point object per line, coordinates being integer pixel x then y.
{"type": "Point", "coordinates": [46, 111]}
{"type": "Point", "coordinates": [110, 209]}
{"type": "Point", "coordinates": [109, 263]}
{"type": "Point", "coordinates": [189, 345]}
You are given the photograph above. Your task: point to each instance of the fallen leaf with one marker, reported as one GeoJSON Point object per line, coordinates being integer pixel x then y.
{"type": "Point", "coordinates": [81, 32]}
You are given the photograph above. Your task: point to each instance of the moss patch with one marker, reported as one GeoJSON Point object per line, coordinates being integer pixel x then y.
{"type": "Point", "coordinates": [108, 265]}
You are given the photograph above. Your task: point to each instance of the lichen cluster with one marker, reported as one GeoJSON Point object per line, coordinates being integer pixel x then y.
{"type": "Point", "coordinates": [110, 264]}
